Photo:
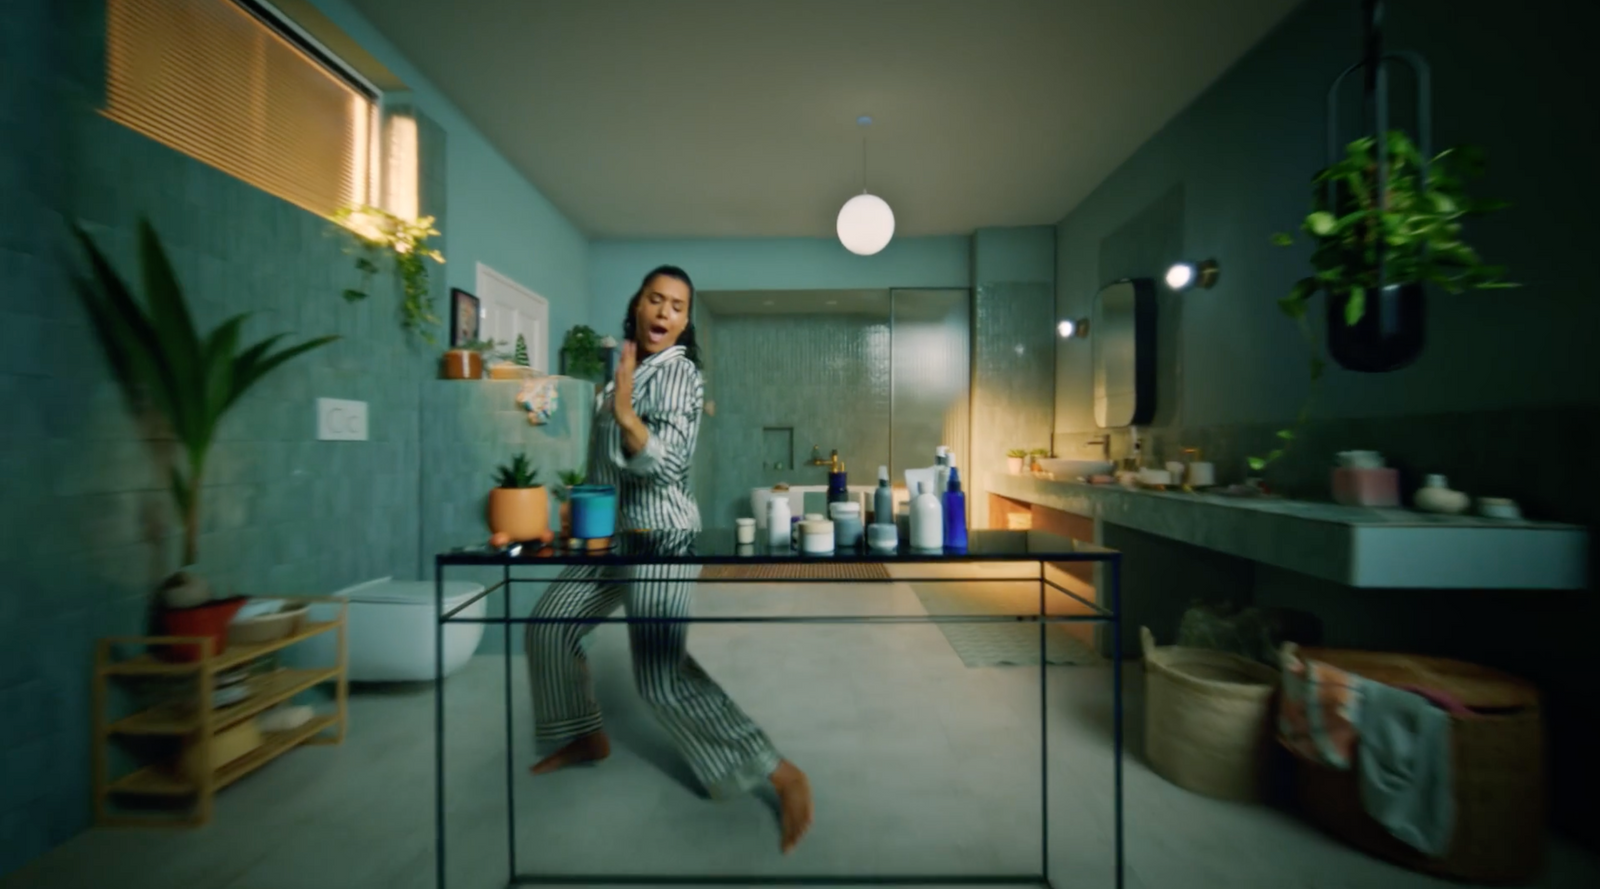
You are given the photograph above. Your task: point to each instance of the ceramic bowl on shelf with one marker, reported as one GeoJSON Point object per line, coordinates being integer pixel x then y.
{"type": "Point", "coordinates": [1499, 508]}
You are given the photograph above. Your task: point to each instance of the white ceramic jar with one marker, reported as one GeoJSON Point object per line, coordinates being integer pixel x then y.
{"type": "Point", "coordinates": [1435, 496]}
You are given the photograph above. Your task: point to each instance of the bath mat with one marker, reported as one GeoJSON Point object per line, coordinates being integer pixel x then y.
{"type": "Point", "coordinates": [1000, 644]}
{"type": "Point", "coordinates": [797, 571]}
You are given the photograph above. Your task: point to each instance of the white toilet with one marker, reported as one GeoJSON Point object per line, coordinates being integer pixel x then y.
{"type": "Point", "coordinates": [390, 630]}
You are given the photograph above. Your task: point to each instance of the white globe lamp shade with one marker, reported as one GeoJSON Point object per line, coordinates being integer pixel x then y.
{"type": "Point", "coordinates": [866, 224]}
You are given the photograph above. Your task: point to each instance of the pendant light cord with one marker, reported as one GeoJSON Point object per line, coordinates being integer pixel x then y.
{"type": "Point", "coordinates": [863, 163]}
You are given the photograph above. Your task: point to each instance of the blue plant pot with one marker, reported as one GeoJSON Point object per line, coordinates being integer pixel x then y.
{"type": "Point", "coordinates": [594, 512]}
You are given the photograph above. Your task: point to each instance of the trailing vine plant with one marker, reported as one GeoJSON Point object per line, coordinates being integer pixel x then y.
{"type": "Point", "coordinates": [1414, 236]}
{"type": "Point", "coordinates": [376, 231]}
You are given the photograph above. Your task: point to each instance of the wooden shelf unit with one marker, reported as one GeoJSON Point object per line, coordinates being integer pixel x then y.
{"type": "Point", "coordinates": [193, 721]}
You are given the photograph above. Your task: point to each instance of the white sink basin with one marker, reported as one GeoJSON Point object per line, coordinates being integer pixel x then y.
{"type": "Point", "coordinates": [1075, 469]}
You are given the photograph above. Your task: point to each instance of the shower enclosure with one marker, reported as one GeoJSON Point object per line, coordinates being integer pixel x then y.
{"type": "Point", "coordinates": [881, 376]}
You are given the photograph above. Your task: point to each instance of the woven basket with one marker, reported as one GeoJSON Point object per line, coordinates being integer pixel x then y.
{"type": "Point", "coordinates": [1208, 720]}
{"type": "Point", "coordinates": [1499, 766]}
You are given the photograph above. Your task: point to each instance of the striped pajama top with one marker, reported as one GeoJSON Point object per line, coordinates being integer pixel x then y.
{"type": "Point", "coordinates": [653, 485]}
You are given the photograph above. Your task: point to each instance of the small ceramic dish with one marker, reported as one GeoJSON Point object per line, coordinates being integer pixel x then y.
{"type": "Point", "coordinates": [1499, 508]}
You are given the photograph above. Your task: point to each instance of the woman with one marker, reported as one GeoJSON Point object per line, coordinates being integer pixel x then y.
{"type": "Point", "coordinates": [645, 427]}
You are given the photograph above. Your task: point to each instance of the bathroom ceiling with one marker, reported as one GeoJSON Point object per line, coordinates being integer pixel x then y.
{"type": "Point", "coordinates": [737, 118]}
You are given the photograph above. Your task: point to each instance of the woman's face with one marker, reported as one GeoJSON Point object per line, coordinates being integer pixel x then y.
{"type": "Point", "coordinates": [662, 314]}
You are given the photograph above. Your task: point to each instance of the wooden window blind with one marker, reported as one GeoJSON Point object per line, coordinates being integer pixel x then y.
{"type": "Point", "coordinates": [213, 80]}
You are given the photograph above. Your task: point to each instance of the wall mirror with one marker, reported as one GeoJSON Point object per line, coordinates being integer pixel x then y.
{"type": "Point", "coordinates": [1122, 335]}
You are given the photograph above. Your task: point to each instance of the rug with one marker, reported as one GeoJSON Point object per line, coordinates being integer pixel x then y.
{"type": "Point", "coordinates": [1000, 644]}
{"type": "Point", "coordinates": [798, 572]}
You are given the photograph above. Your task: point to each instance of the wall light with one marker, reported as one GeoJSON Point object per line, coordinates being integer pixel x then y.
{"type": "Point", "coordinates": [1070, 329]}
{"type": "Point", "coordinates": [1184, 275]}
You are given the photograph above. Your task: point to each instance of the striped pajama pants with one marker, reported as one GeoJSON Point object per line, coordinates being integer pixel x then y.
{"type": "Point", "coordinates": [728, 752]}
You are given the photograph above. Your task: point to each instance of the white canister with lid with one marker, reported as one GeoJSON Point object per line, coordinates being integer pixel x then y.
{"type": "Point", "coordinates": [847, 527]}
{"type": "Point", "coordinates": [745, 529]}
{"type": "Point", "coordinates": [816, 537]}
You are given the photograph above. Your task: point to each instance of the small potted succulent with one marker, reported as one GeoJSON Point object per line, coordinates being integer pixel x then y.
{"type": "Point", "coordinates": [1014, 458]}
{"type": "Point", "coordinates": [519, 507]}
{"type": "Point", "coordinates": [1034, 456]}
{"type": "Point", "coordinates": [465, 362]}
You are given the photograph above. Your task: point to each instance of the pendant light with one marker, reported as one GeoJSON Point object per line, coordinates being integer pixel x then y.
{"type": "Point", "coordinates": [865, 224]}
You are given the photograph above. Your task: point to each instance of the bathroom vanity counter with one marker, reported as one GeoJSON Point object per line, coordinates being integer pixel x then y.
{"type": "Point", "coordinates": [1357, 546]}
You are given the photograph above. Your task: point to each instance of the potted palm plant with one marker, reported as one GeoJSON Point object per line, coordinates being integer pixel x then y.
{"type": "Point", "coordinates": [188, 380]}
{"type": "Point", "coordinates": [519, 507]}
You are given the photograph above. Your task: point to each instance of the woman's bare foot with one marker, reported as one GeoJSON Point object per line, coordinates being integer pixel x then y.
{"type": "Point", "coordinates": [794, 803]}
{"type": "Point", "coordinates": [589, 748]}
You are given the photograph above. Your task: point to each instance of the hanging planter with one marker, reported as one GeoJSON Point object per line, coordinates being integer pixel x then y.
{"type": "Point", "coordinates": [377, 230]}
{"type": "Point", "coordinates": [1388, 333]}
{"type": "Point", "coordinates": [1385, 224]}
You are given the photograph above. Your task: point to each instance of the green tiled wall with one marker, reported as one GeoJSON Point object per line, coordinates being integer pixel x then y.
{"type": "Point", "coordinates": [824, 376]}
{"type": "Point", "coordinates": [86, 524]}
{"type": "Point", "coordinates": [468, 430]}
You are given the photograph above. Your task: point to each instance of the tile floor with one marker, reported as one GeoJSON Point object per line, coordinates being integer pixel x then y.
{"type": "Point", "coordinates": [920, 765]}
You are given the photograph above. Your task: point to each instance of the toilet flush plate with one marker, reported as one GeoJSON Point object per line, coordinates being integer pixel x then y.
{"type": "Point", "coordinates": [341, 420]}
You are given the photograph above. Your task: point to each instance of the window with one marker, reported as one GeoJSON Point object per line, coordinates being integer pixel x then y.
{"type": "Point", "coordinates": [228, 83]}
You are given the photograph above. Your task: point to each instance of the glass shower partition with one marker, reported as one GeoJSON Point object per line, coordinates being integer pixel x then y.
{"type": "Point", "coordinates": [930, 381]}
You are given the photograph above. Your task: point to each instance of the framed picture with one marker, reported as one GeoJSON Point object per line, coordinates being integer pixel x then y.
{"type": "Point", "coordinates": [464, 317]}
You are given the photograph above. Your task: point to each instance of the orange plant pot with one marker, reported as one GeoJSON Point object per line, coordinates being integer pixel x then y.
{"type": "Point", "coordinates": [519, 513]}
{"type": "Point", "coordinates": [462, 364]}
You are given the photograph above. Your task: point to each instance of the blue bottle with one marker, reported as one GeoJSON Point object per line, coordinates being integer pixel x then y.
{"type": "Point", "coordinates": [955, 514]}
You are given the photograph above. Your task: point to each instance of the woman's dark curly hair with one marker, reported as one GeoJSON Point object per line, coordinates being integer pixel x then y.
{"type": "Point", "coordinates": [630, 327]}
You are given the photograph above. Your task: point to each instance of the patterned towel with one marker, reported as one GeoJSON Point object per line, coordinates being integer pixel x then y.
{"type": "Point", "coordinates": [1320, 709]}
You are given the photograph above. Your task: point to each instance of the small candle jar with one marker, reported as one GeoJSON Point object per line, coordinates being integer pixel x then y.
{"type": "Point", "coordinates": [746, 531]}
{"type": "Point", "coordinates": [816, 537]}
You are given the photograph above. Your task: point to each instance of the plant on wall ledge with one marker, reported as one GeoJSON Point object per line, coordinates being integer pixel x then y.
{"type": "Point", "coordinates": [166, 365]}
{"type": "Point", "coordinates": [1367, 250]}
{"type": "Point", "coordinates": [377, 230]}
{"type": "Point", "coordinates": [582, 354]}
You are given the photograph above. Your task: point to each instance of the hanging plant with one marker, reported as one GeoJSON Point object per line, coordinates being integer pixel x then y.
{"type": "Point", "coordinates": [377, 230]}
{"type": "Point", "coordinates": [1414, 238]}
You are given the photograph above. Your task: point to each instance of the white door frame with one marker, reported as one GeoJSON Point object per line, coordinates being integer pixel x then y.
{"type": "Point", "coordinates": [539, 345]}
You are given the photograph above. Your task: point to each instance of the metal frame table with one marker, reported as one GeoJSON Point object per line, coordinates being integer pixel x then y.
{"type": "Point", "coordinates": [721, 548]}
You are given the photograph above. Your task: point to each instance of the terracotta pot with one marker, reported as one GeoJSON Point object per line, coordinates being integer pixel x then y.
{"type": "Point", "coordinates": [462, 364]}
{"type": "Point", "coordinates": [565, 512]}
{"type": "Point", "coordinates": [208, 621]}
{"type": "Point", "coordinates": [520, 513]}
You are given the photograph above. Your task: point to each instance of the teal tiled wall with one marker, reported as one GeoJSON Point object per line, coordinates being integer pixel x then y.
{"type": "Point", "coordinates": [86, 524]}
{"type": "Point", "coordinates": [469, 429]}
{"type": "Point", "coordinates": [1014, 350]}
{"type": "Point", "coordinates": [615, 267]}
{"type": "Point", "coordinates": [826, 377]}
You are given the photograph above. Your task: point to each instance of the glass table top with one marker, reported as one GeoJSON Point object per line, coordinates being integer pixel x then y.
{"type": "Point", "coordinates": [721, 547]}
